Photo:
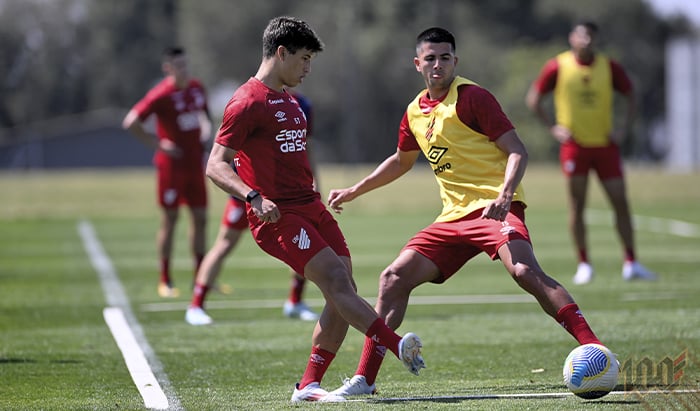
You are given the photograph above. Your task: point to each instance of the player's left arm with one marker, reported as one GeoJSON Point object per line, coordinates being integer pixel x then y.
{"type": "Point", "coordinates": [509, 143]}
{"type": "Point", "coordinates": [623, 85]}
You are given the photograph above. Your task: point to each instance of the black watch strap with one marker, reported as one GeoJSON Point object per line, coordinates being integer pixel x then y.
{"type": "Point", "coordinates": [251, 195]}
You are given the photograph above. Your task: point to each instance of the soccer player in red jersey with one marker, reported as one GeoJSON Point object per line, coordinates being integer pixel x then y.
{"type": "Point", "coordinates": [179, 104]}
{"type": "Point", "coordinates": [479, 161]}
{"type": "Point", "coordinates": [233, 222]}
{"type": "Point", "coordinates": [583, 83]}
{"type": "Point", "coordinates": [263, 133]}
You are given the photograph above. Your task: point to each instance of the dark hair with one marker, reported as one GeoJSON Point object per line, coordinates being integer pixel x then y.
{"type": "Point", "coordinates": [174, 51]}
{"type": "Point", "coordinates": [588, 24]}
{"type": "Point", "coordinates": [291, 33]}
{"type": "Point", "coordinates": [436, 35]}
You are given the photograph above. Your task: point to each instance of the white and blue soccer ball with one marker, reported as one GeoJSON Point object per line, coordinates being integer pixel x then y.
{"type": "Point", "coordinates": [590, 371]}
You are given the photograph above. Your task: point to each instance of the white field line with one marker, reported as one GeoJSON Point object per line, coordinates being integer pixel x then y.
{"type": "Point", "coordinates": [318, 302]}
{"type": "Point", "coordinates": [153, 396]}
{"type": "Point", "coordinates": [635, 394]}
{"type": "Point", "coordinates": [652, 224]}
{"type": "Point", "coordinates": [128, 331]}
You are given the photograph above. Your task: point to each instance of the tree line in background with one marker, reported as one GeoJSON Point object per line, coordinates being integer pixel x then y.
{"type": "Point", "coordinates": [62, 57]}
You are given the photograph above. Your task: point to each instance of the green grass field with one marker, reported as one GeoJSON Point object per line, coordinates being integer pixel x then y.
{"type": "Point", "coordinates": [57, 353]}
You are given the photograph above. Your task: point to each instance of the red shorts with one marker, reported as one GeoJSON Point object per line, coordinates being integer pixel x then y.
{"type": "Point", "coordinates": [234, 216]}
{"type": "Point", "coordinates": [301, 232]}
{"type": "Point", "coordinates": [451, 244]}
{"type": "Point", "coordinates": [178, 185]}
{"type": "Point", "coordinates": [576, 160]}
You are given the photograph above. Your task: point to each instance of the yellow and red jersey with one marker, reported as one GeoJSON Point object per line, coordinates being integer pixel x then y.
{"type": "Point", "coordinates": [468, 166]}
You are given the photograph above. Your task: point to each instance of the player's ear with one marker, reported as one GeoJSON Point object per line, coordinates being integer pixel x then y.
{"type": "Point", "coordinates": [282, 52]}
{"type": "Point", "coordinates": [416, 62]}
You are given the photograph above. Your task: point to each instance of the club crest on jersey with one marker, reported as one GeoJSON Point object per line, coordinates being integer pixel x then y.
{"type": "Point", "coordinates": [429, 131]}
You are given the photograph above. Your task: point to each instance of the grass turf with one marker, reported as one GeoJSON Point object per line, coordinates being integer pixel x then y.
{"type": "Point", "coordinates": [57, 353]}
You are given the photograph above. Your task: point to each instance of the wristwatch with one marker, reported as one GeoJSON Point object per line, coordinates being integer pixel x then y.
{"type": "Point", "coordinates": [251, 195]}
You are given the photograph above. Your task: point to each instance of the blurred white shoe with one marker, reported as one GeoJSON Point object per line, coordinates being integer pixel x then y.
{"type": "Point", "coordinates": [197, 316]}
{"type": "Point", "coordinates": [299, 310]}
{"type": "Point", "coordinates": [314, 392]}
{"type": "Point", "coordinates": [584, 274]}
{"type": "Point", "coordinates": [633, 270]}
{"type": "Point", "coordinates": [357, 385]}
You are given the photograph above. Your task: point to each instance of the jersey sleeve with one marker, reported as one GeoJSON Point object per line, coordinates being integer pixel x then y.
{"type": "Point", "coordinates": [480, 111]}
{"type": "Point", "coordinates": [236, 124]}
{"type": "Point", "coordinates": [407, 140]}
{"type": "Point", "coordinates": [147, 105]}
{"type": "Point", "coordinates": [621, 81]}
{"type": "Point", "coordinates": [547, 79]}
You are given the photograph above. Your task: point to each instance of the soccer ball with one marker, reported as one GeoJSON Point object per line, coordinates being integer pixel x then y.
{"type": "Point", "coordinates": [590, 371]}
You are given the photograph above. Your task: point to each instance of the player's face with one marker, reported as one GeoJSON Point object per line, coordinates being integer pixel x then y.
{"type": "Point", "coordinates": [295, 66]}
{"type": "Point", "coordinates": [582, 40]}
{"type": "Point", "coordinates": [436, 62]}
{"type": "Point", "coordinates": [177, 67]}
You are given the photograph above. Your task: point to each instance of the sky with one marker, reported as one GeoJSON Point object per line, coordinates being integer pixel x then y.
{"type": "Point", "coordinates": [690, 8]}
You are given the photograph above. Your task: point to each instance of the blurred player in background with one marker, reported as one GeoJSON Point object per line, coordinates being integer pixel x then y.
{"type": "Point", "coordinates": [583, 83]}
{"type": "Point", "coordinates": [479, 161]}
{"type": "Point", "coordinates": [263, 133]}
{"type": "Point", "coordinates": [233, 222]}
{"type": "Point", "coordinates": [179, 104]}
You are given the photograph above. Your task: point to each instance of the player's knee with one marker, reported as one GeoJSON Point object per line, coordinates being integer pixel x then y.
{"type": "Point", "coordinates": [523, 274]}
{"type": "Point", "coordinates": [392, 279]}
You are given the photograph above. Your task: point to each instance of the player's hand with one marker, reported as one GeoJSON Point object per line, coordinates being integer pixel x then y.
{"type": "Point", "coordinates": [617, 137]}
{"type": "Point", "coordinates": [561, 133]}
{"type": "Point", "coordinates": [266, 210]}
{"type": "Point", "coordinates": [497, 209]}
{"type": "Point", "coordinates": [338, 197]}
{"type": "Point", "coordinates": [169, 148]}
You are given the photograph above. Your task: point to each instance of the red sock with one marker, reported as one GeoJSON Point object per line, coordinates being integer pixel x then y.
{"type": "Point", "coordinates": [296, 289]}
{"type": "Point", "coordinates": [582, 256]}
{"type": "Point", "coordinates": [165, 271]}
{"type": "Point", "coordinates": [371, 360]}
{"type": "Point", "coordinates": [570, 317]}
{"type": "Point", "coordinates": [629, 255]}
{"type": "Point", "coordinates": [383, 335]}
{"type": "Point", "coordinates": [198, 295]}
{"type": "Point", "coordinates": [319, 360]}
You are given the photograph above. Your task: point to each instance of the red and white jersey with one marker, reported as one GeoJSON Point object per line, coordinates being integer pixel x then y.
{"type": "Point", "coordinates": [268, 130]}
{"type": "Point", "coordinates": [177, 114]}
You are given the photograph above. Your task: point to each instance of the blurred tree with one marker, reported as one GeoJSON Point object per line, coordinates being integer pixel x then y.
{"type": "Point", "coordinates": [70, 56]}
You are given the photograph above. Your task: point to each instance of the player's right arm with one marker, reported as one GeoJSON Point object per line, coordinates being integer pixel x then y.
{"type": "Point", "coordinates": [133, 124]}
{"type": "Point", "coordinates": [220, 172]}
{"type": "Point", "coordinates": [389, 170]}
{"type": "Point", "coordinates": [543, 85]}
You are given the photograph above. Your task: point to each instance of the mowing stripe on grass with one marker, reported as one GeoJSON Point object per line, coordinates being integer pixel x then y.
{"type": "Point", "coordinates": [652, 224]}
{"type": "Point", "coordinates": [138, 354]}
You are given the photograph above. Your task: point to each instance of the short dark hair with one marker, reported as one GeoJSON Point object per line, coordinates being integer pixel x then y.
{"type": "Point", "coordinates": [436, 35]}
{"type": "Point", "coordinates": [591, 25]}
{"type": "Point", "coordinates": [291, 33]}
{"type": "Point", "coordinates": [171, 52]}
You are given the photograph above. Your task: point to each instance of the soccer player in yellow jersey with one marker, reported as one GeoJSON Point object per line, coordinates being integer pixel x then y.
{"type": "Point", "coordinates": [478, 160]}
{"type": "Point", "coordinates": [583, 82]}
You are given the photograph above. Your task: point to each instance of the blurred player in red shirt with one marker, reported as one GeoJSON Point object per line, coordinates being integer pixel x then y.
{"type": "Point", "coordinates": [583, 83]}
{"type": "Point", "coordinates": [183, 125]}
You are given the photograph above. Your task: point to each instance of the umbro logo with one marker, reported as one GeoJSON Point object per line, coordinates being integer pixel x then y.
{"type": "Point", "coordinates": [281, 116]}
{"type": "Point", "coordinates": [302, 240]}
